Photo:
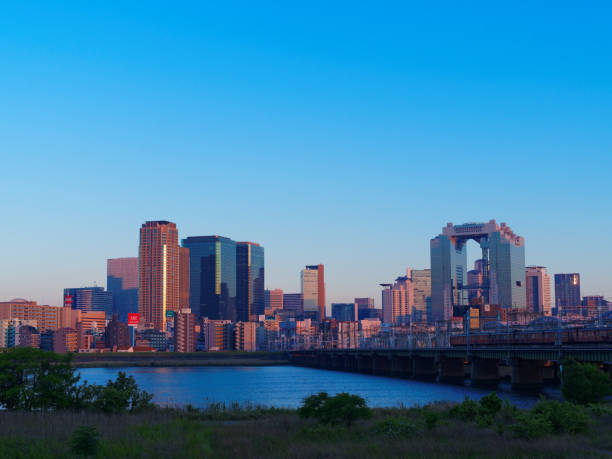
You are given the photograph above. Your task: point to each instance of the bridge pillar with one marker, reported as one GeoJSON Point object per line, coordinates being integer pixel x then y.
{"type": "Point", "coordinates": [550, 372]}
{"type": "Point", "coordinates": [484, 372]}
{"type": "Point", "coordinates": [452, 370]}
{"type": "Point", "coordinates": [424, 368]}
{"type": "Point", "coordinates": [401, 367]}
{"type": "Point", "coordinates": [383, 365]}
{"type": "Point", "coordinates": [527, 374]}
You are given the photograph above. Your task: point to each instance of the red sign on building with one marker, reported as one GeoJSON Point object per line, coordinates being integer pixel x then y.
{"type": "Point", "coordinates": [67, 301]}
{"type": "Point", "coordinates": [133, 318]}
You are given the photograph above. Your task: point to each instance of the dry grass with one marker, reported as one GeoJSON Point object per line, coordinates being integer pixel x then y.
{"type": "Point", "coordinates": [258, 433]}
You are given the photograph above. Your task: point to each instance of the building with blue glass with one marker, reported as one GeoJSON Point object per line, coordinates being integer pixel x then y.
{"type": "Point", "coordinates": [503, 268]}
{"type": "Point", "coordinates": [567, 293]}
{"type": "Point", "coordinates": [250, 296]}
{"type": "Point", "coordinates": [212, 277]}
{"type": "Point", "coordinates": [89, 299]}
{"type": "Point", "coordinates": [344, 312]}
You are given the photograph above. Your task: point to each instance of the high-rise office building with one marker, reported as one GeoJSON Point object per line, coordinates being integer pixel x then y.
{"type": "Point", "coordinates": [567, 293]}
{"type": "Point", "coordinates": [421, 285]}
{"type": "Point", "coordinates": [249, 280]}
{"type": "Point", "coordinates": [212, 276]}
{"type": "Point", "coordinates": [184, 278]}
{"type": "Point", "coordinates": [537, 286]}
{"type": "Point", "coordinates": [313, 289]}
{"type": "Point", "coordinates": [158, 272]}
{"type": "Point", "coordinates": [122, 283]}
{"type": "Point", "coordinates": [503, 255]}
{"type": "Point", "coordinates": [398, 298]}
{"type": "Point", "coordinates": [88, 299]}
{"type": "Point", "coordinates": [344, 312]}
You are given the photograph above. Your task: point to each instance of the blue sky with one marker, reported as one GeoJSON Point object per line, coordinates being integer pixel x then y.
{"type": "Point", "coordinates": [339, 134]}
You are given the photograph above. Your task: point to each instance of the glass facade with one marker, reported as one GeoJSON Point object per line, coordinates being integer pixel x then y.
{"type": "Point", "coordinates": [212, 276]}
{"type": "Point", "coordinates": [567, 291]}
{"type": "Point", "coordinates": [344, 312]}
{"type": "Point", "coordinates": [89, 299]}
{"type": "Point", "coordinates": [250, 274]}
{"type": "Point", "coordinates": [503, 267]}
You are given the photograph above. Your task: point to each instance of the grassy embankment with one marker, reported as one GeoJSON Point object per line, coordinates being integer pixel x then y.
{"type": "Point", "coordinates": [228, 432]}
{"type": "Point", "coordinates": [175, 359]}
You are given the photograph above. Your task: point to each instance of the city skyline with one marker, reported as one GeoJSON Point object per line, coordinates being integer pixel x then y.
{"type": "Point", "coordinates": [473, 252]}
{"type": "Point", "coordinates": [115, 115]}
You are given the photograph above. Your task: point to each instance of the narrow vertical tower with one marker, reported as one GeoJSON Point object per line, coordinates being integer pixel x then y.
{"type": "Point", "coordinates": [158, 261]}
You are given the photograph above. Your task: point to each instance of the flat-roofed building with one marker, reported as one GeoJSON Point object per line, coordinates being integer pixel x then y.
{"type": "Point", "coordinates": [46, 317]}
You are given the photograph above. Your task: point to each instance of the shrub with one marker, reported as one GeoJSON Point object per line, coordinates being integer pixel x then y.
{"type": "Point", "coordinates": [432, 418]}
{"type": "Point", "coordinates": [490, 404]}
{"type": "Point", "coordinates": [584, 383]}
{"type": "Point", "coordinates": [85, 441]}
{"type": "Point", "coordinates": [341, 408]}
{"type": "Point", "coordinates": [395, 427]}
{"type": "Point", "coordinates": [563, 416]}
{"type": "Point", "coordinates": [531, 425]}
{"type": "Point", "coordinates": [466, 410]}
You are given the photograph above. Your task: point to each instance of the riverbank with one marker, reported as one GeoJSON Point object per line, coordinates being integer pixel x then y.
{"type": "Point", "coordinates": [176, 359]}
{"type": "Point", "coordinates": [221, 431]}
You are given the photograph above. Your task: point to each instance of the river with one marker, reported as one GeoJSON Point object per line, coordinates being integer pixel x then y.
{"type": "Point", "coordinates": [286, 386]}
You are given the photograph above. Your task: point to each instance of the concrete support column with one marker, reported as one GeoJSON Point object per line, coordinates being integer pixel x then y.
{"type": "Point", "coordinates": [452, 370]}
{"type": "Point", "coordinates": [527, 374]}
{"type": "Point", "coordinates": [484, 372]}
{"type": "Point", "coordinates": [424, 368]}
{"type": "Point", "coordinates": [550, 373]}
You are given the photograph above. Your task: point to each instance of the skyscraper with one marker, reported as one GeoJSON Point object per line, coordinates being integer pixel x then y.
{"type": "Point", "coordinates": [249, 280]}
{"type": "Point", "coordinates": [503, 258]}
{"type": "Point", "coordinates": [313, 289]}
{"type": "Point", "coordinates": [538, 290]}
{"type": "Point", "coordinates": [122, 282]}
{"type": "Point", "coordinates": [212, 276]}
{"type": "Point", "coordinates": [89, 299]}
{"type": "Point", "coordinates": [567, 293]}
{"type": "Point", "coordinates": [158, 269]}
{"type": "Point", "coordinates": [184, 278]}
{"type": "Point", "coordinates": [421, 284]}
{"type": "Point", "coordinates": [398, 298]}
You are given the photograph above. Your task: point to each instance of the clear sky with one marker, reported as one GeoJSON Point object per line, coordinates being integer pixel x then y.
{"type": "Point", "coordinates": [341, 133]}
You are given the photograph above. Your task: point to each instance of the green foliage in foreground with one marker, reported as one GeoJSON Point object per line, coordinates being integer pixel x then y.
{"type": "Point", "coordinates": [584, 383]}
{"type": "Point", "coordinates": [341, 408]}
{"type": "Point", "coordinates": [36, 380]}
{"type": "Point", "coordinates": [85, 441]}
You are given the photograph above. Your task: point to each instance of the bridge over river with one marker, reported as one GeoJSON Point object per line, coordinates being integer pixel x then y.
{"type": "Point", "coordinates": [527, 367]}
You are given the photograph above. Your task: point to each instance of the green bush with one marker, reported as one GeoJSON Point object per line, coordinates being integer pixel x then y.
{"type": "Point", "coordinates": [490, 404]}
{"type": "Point", "coordinates": [432, 418]}
{"type": "Point", "coordinates": [530, 425]}
{"type": "Point", "coordinates": [396, 427]}
{"type": "Point", "coordinates": [584, 383]}
{"type": "Point", "coordinates": [565, 417]}
{"type": "Point", "coordinates": [341, 408]}
{"type": "Point", "coordinates": [465, 411]}
{"type": "Point", "coordinates": [85, 441]}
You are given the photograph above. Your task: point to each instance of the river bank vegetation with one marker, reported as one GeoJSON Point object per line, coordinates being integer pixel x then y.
{"type": "Point", "coordinates": [119, 420]}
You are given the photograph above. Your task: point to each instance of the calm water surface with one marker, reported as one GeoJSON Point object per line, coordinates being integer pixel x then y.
{"type": "Point", "coordinates": [286, 386]}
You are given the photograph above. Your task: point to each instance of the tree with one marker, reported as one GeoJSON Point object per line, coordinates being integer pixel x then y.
{"type": "Point", "coordinates": [341, 408]}
{"type": "Point", "coordinates": [584, 382]}
{"type": "Point", "coordinates": [34, 379]}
